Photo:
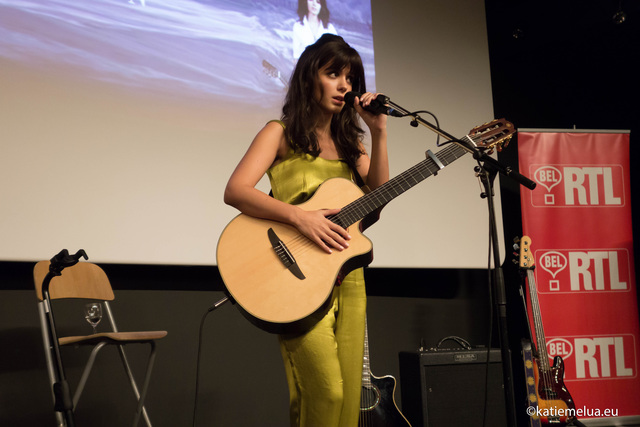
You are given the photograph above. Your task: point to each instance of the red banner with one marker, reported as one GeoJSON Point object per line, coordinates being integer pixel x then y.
{"type": "Point", "coordinates": [579, 221]}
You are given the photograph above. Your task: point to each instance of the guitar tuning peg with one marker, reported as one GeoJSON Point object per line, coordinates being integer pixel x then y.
{"type": "Point", "coordinates": [516, 247]}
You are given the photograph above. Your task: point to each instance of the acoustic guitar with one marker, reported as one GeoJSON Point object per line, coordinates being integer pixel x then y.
{"type": "Point", "coordinates": [282, 281]}
{"type": "Point", "coordinates": [555, 405]}
{"type": "Point", "coordinates": [377, 402]}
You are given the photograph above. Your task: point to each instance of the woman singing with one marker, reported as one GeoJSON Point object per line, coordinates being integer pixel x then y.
{"type": "Point", "coordinates": [317, 138]}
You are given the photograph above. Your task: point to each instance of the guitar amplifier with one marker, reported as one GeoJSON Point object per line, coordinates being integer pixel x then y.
{"type": "Point", "coordinates": [446, 387]}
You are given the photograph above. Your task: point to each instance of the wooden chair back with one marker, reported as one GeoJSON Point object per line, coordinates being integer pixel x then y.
{"type": "Point", "coordinates": [83, 280]}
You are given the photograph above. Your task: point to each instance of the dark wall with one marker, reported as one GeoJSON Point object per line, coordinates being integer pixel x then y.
{"type": "Point", "coordinates": [242, 377]}
{"type": "Point", "coordinates": [560, 65]}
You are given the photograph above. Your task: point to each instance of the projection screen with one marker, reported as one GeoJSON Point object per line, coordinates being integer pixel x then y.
{"type": "Point", "coordinates": [121, 121]}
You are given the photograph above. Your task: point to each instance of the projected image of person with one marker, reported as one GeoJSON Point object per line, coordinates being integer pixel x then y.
{"type": "Point", "coordinates": [313, 23]}
{"type": "Point", "coordinates": [318, 137]}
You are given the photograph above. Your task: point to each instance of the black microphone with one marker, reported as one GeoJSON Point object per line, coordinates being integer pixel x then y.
{"type": "Point", "coordinates": [377, 105]}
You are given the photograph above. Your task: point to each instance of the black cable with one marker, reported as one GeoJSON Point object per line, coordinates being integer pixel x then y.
{"type": "Point", "coordinates": [204, 317]}
{"type": "Point", "coordinates": [414, 123]}
{"type": "Point", "coordinates": [195, 400]}
{"type": "Point", "coordinates": [461, 342]}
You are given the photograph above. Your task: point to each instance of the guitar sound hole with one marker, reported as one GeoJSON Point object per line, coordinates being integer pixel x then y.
{"type": "Point", "coordinates": [369, 399]}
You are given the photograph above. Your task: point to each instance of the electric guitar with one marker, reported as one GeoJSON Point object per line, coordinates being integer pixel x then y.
{"type": "Point", "coordinates": [281, 280]}
{"type": "Point", "coordinates": [377, 403]}
{"type": "Point", "coordinates": [553, 398]}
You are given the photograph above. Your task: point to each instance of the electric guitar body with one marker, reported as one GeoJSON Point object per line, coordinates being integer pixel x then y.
{"type": "Point", "coordinates": [382, 411]}
{"type": "Point", "coordinates": [553, 396]}
{"type": "Point", "coordinates": [377, 400]}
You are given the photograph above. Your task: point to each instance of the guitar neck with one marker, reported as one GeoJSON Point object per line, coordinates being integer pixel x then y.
{"type": "Point", "coordinates": [541, 342]}
{"type": "Point", "coordinates": [391, 189]}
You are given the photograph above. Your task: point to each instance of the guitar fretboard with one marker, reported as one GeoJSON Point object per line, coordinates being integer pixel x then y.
{"type": "Point", "coordinates": [541, 342]}
{"type": "Point", "coordinates": [391, 189]}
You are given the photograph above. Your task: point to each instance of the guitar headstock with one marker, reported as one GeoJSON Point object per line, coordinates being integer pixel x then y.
{"type": "Point", "coordinates": [493, 135]}
{"type": "Point", "coordinates": [525, 258]}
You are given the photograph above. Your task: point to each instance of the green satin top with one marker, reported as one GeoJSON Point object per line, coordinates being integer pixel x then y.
{"type": "Point", "coordinates": [298, 175]}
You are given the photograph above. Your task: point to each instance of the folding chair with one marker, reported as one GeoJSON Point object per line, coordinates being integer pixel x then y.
{"type": "Point", "coordinates": [87, 281]}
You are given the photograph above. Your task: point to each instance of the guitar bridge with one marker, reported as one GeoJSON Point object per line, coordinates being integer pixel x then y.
{"type": "Point", "coordinates": [284, 255]}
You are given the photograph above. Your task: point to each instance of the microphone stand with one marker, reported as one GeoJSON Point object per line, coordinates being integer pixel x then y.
{"type": "Point", "coordinates": [488, 170]}
{"type": "Point", "coordinates": [487, 176]}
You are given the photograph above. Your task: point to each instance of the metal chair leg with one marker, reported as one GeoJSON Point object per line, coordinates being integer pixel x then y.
{"type": "Point", "coordinates": [87, 370]}
{"type": "Point", "coordinates": [60, 422]}
{"type": "Point", "coordinates": [140, 396]}
{"type": "Point", "coordinates": [127, 368]}
{"type": "Point", "coordinates": [145, 386]}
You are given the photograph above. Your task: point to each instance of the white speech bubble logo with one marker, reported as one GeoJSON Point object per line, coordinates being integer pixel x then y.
{"type": "Point", "coordinates": [552, 262]}
{"type": "Point", "coordinates": [543, 174]}
{"type": "Point", "coordinates": [559, 347]}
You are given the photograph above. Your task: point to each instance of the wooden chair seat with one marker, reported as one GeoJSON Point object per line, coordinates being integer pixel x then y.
{"type": "Point", "coordinates": [128, 337]}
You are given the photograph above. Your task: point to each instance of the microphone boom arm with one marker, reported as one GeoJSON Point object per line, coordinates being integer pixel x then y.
{"type": "Point", "coordinates": [468, 145]}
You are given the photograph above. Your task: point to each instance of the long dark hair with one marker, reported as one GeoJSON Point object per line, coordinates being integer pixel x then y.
{"type": "Point", "coordinates": [301, 108]}
{"type": "Point", "coordinates": [303, 10]}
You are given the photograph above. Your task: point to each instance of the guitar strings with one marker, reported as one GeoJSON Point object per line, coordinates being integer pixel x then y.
{"type": "Point", "coordinates": [394, 187]}
{"type": "Point", "coordinates": [357, 209]}
{"type": "Point", "coordinates": [543, 358]}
